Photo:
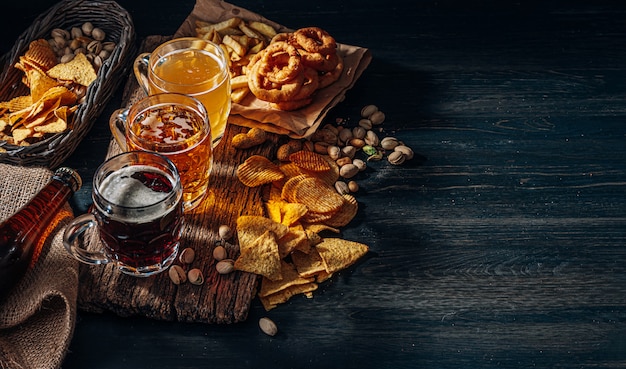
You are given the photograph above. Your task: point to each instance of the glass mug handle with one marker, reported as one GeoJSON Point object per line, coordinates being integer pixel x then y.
{"type": "Point", "coordinates": [117, 124]}
{"type": "Point", "coordinates": [140, 68]}
{"type": "Point", "coordinates": [73, 236]}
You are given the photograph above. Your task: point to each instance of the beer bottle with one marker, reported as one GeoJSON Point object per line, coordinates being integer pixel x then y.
{"type": "Point", "coordinates": [21, 234]}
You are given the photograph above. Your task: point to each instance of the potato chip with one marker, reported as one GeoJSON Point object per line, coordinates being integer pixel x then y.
{"type": "Point", "coordinates": [251, 227]}
{"type": "Point", "coordinates": [258, 170]}
{"type": "Point", "coordinates": [41, 54]}
{"type": "Point", "coordinates": [79, 70]}
{"type": "Point", "coordinates": [338, 254]}
{"type": "Point", "coordinates": [17, 103]}
{"type": "Point", "coordinates": [313, 192]}
{"type": "Point", "coordinates": [261, 257]}
{"type": "Point", "coordinates": [309, 160]}
{"type": "Point", "coordinates": [290, 278]}
{"type": "Point", "coordinates": [345, 214]}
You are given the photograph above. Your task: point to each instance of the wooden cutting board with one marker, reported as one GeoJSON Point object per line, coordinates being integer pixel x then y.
{"type": "Point", "coordinates": [222, 298]}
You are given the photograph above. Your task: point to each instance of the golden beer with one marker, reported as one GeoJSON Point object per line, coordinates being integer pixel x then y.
{"type": "Point", "coordinates": [176, 126]}
{"type": "Point", "coordinates": [194, 67]}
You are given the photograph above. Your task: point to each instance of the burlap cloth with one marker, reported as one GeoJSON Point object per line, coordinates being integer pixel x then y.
{"type": "Point", "coordinates": [37, 319]}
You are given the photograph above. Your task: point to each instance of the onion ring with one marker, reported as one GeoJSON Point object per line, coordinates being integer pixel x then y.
{"type": "Point", "coordinates": [309, 85]}
{"type": "Point", "coordinates": [315, 40]}
{"type": "Point", "coordinates": [318, 61]}
{"type": "Point", "coordinates": [330, 77]}
{"type": "Point", "coordinates": [291, 104]}
{"type": "Point", "coordinates": [264, 89]}
{"type": "Point", "coordinates": [281, 62]}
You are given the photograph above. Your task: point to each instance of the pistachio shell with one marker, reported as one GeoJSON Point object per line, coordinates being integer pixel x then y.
{"type": "Point", "coordinates": [368, 110]}
{"type": "Point", "coordinates": [405, 150]}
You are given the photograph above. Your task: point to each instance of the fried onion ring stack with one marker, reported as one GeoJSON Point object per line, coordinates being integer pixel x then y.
{"type": "Point", "coordinates": [289, 71]}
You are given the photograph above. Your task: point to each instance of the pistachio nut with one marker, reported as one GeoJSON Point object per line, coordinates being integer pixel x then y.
{"type": "Point", "coordinates": [369, 150]}
{"type": "Point", "coordinates": [334, 152]}
{"type": "Point", "coordinates": [219, 253]}
{"type": "Point", "coordinates": [98, 34]}
{"type": "Point", "coordinates": [371, 138]}
{"type": "Point", "coordinates": [342, 187]}
{"type": "Point", "coordinates": [195, 276]}
{"type": "Point", "coordinates": [389, 143]}
{"type": "Point", "coordinates": [365, 123]}
{"type": "Point", "coordinates": [87, 28]}
{"type": "Point", "coordinates": [358, 132]}
{"type": "Point", "coordinates": [396, 158]}
{"type": "Point", "coordinates": [177, 274]}
{"type": "Point", "coordinates": [377, 118]}
{"type": "Point", "coordinates": [225, 232]}
{"type": "Point", "coordinates": [357, 142]}
{"type": "Point", "coordinates": [405, 150]}
{"type": "Point", "coordinates": [187, 255]}
{"type": "Point", "coordinates": [348, 151]}
{"type": "Point", "coordinates": [268, 326]}
{"type": "Point", "coordinates": [360, 164]}
{"type": "Point", "coordinates": [348, 170]}
{"type": "Point", "coordinates": [345, 135]}
{"type": "Point", "coordinates": [368, 110]}
{"type": "Point", "coordinates": [344, 160]}
{"type": "Point", "coordinates": [225, 266]}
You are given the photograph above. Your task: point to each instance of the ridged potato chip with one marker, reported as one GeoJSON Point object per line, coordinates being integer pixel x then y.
{"type": "Point", "coordinates": [258, 170]}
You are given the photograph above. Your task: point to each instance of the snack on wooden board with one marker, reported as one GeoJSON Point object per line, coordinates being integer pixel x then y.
{"type": "Point", "coordinates": [284, 69]}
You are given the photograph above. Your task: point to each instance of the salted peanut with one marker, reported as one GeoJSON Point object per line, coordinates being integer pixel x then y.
{"type": "Point", "coordinates": [254, 137]}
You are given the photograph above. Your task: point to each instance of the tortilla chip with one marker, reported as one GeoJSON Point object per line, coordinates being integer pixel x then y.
{"type": "Point", "coordinates": [338, 254]}
{"type": "Point", "coordinates": [251, 227]}
{"type": "Point", "coordinates": [79, 70]}
{"type": "Point", "coordinates": [261, 257]}
{"type": "Point", "coordinates": [271, 301]}
{"type": "Point", "coordinates": [290, 278]}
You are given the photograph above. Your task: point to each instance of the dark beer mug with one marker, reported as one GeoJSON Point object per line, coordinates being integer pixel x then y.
{"type": "Point", "coordinates": [137, 213]}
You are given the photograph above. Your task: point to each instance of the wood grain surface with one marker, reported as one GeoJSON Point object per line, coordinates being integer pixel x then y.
{"type": "Point", "coordinates": [501, 244]}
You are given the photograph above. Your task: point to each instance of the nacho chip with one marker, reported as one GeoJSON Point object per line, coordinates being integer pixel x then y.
{"type": "Point", "coordinates": [294, 239]}
{"type": "Point", "coordinates": [271, 301]}
{"type": "Point", "coordinates": [292, 213]}
{"type": "Point", "coordinates": [79, 70]}
{"type": "Point", "coordinates": [338, 254]}
{"type": "Point", "coordinates": [290, 278]}
{"type": "Point", "coordinates": [251, 227]}
{"type": "Point", "coordinates": [308, 265]}
{"type": "Point", "coordinates": [258, 170]}
{"type": "Point", "coordinates": [39, 83]}
{"type": "Point", "coordinates": [261, 257]}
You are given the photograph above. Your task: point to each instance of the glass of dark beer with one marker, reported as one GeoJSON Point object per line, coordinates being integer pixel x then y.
{"type": "Point", "coordinates": [137, 213]}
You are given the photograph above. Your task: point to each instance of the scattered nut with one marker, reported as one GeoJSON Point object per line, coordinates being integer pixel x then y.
{"type": "Point", "coordinates": [254, 136]}
{"type": "Point", "coordinates": [371, 138]}
{"type": "Point", "coordinates": [268, 326]}
{"type": "Point", "coordinates": [219, 253]}
{"type": "Point", "coordinates": [405, 150]}
{"type": "Point", "coordinates": [195, 276]}
{"type": "Point", "coordinates": [389, 143]}
{"type": "Point", "coordinates": [348, 151]}
{"type": "Point", "coordinates": [177, 274]}
{"type": "Point", "coordinates": [344, 161]}
{"type": "Point", "coordinates": [365, 123]}
{"type": "Point", "coordinates": [348, 170]}
{"type": "Point", "coordinates": [342, 187]}
{"type": "Point", "coordinates": [377, 118]}
{"type": "Point", "coordinates": [187, 256]}
{"type": "Point", "coordinates": [396, 158]}
{"type": "Point", "coordinates": [225, 266]}
{"type": "Point", "coordinates": [225, 232]}
{"type": "Point", "coordinates": [368, 110]}
{"type": "Point", "coordinates": [353, 186]}
{"type": "Point", "coordinates": [287, 149]}
{"type": "Point", "coordinates": [360, 164]}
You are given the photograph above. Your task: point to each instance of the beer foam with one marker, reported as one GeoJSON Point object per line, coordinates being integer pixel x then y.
{"type": "Point", "coordinates": [121, 189]}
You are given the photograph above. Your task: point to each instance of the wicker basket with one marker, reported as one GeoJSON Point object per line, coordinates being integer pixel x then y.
{"type": "Point", "coordinates": [118, 25]}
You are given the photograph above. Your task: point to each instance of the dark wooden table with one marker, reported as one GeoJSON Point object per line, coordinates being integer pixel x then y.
{"type": "Point", "coordinates": [502, 244]}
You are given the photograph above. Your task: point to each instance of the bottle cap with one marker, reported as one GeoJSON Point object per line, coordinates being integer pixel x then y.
{"type": "Point", "coordinates": [69, 176]}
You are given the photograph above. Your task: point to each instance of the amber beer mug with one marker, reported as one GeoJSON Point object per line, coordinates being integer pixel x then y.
{"type": "Point", "coordinates": [190, 66]}
{"type": "Point", "coordinates": [137, 214]}
{"type": "Point", "coordinates": [174, 125]}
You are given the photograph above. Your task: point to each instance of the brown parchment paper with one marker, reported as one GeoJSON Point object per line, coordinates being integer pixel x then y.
{"type": "Point", "coordinates": [253, 112]}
